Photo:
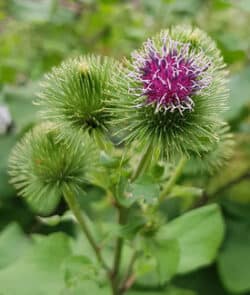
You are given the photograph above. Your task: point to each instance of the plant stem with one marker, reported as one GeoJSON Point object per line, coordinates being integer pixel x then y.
{"type": "Point", "coordinates": [210, 197]}
{"type": "Point", "coordinates": [144, 162]}
{"type": "Point", "coordinates": [172, 180]}
{"type": "Point", "coordinates": [122, 216]}
{"type": "Point", "coordinates": [231, 183]}
{"type": "Point", "coordinates": [128, 284]}
{"type": "Point", "coordinates": [129, 274]}
{"type": "Point", "coordinates": [75, 208]}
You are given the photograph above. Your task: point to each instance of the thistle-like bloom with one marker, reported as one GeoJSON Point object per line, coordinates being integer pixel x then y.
{"type": "Point", "coordinates": [176, 92]}
{"type": "Point", "coordinates": [170, 77]}
{"type": "Point", "coordinates": [74, 96]}
{"type": "Point", "coordinates": [41, 167]}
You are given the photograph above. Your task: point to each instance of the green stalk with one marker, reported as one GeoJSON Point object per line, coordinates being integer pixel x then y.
{"type": "Point", "coordinates": [173, 179]}
{"type": "Point", "coordinates": [122, 216]}
{"type": "Point", "coordinates": [144, 162]}
{"type": "Point", "coordinates": [129, 276]}
{"type": "Point", "coordinates": [75, 208]}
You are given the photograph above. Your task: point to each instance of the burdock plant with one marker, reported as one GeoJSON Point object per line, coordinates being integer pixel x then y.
{"type": "Point", "coordinates": [75, 96]}
{"type": "Point", "coordinates": [173, 92]}
{"type": "Point", "coordinates": [48, 168]}
{"type": "Point", "coordinates": [165, 100]}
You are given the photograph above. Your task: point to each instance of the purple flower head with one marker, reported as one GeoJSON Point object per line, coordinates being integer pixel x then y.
{"type": "Point", "coordinates": [169, 74]}
{"type": "Point", "coordinates": [171, 93]}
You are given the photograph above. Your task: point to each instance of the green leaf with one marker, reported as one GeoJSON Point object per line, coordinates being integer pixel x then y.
{"type": "Point", "coordinates": [199, 234]}
{"type": "Point", "coordinates": [145, 188]}
{"type": "Point", "coordinates": [13, 244]}
{"type": "Point", "coordinates": [78, 269]}
{"type": "Point", "coordinates": [232, 46]}
{"type": "Point", "coordinates": [203, 281]}
{"type": "Point", "coordinates": [57, 219]}
{"type": "Point", "coordinates": [159, 264]}
{"type": "Point", "coordinates": [19, 101]}
{"type": "Point", "coordinates": [167, 256]}
{"type": "Point", "coordinates": [158, 170]}
{"type": "Point", "coordinates": [234, 259]}
{"type": "Point", "coordinates": [81, 277]}
{"type": "Point", "coordinates": [239, 93]}
{"type": "Point", "coordinates": [109, 161]}
{"type": "Point", "coordinates": [123, 192]}
{"type": "Point", "coordinates": [188, 195]}
{"type": "Point", "coordinates": [38, 272]}
{"type": "Point", "coordinates": [132, 227]}
{"type": "Point", "coordinates": [50, 221]}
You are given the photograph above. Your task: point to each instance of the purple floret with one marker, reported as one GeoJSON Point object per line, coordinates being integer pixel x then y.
{"type": "Point", "coordinates": [170, 77]}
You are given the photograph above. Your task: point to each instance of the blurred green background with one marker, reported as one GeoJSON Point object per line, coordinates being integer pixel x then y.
{"type": "Point", "coordinates": [36, 35]}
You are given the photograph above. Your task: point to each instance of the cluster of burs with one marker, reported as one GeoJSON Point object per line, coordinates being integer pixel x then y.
{"type": "Point", "coordinates": [167, 99]}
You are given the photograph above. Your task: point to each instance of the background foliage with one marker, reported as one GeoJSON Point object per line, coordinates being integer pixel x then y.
{"type": "Point", "coordinates": [36, 35]}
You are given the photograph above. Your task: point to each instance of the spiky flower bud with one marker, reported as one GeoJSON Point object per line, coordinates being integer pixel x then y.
{"type": "Point", "coordinates": [74, 96]}
{"type": "Point", "coordinates": [176, 92]}
{"type": "Point", "coordinates": [210, 161]}
{"type": "Point", "coordinates": [41, 167]}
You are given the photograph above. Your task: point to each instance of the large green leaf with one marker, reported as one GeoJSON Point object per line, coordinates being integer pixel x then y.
{"type": "Point", "coordinates": [234, 259]}
{"type": "Point", "coordinates": [75, 270]}
{"type": "Point", "coordinates": [159, 264]}
{"type": "Point", "coordinates": [81, 277]}
{"type": "Point", "coordinates": [13, 244]}
{"type": "Point", "coordinates": [199, 234]}
{"type": "Point", "coordinates": [39, 271]}
{"type": "Point", "coordinates": [167, 257]}
{"type": "Point", "coordinates": [203, 281]}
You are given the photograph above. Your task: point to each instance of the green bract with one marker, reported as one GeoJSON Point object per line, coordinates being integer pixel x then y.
{"type": "Point", "coordinates": [74, 96]}
{"type": "Point", "coordinates": [171, 93]}
{"type": "Point", "coordinates": [210, 161]}
{"type": "Point", "coordinates": [41, 167]}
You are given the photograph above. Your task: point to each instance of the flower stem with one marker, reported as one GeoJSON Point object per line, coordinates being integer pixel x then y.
{"type": "Point", "coordinates": [172, 180]}
{"type": "Point", "coordinates": [75, 208]}
{"type": "Point", "coordinates": [144, 162]}
{"type": "Point", "coordinates": [127, 282]}
{"type": "Point", "coordinates": [122, 216]}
